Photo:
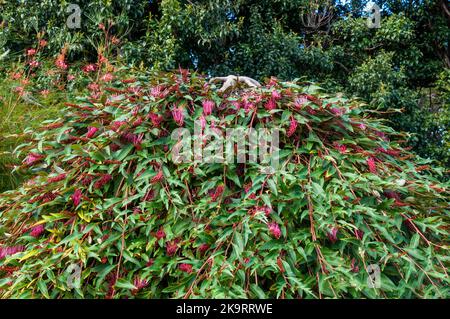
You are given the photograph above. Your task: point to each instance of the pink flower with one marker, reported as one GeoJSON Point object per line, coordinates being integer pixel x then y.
{"type": "Point", "coordinates": [372, 165]}
{"type": "Point", "coordinates": [359, 234]}
{"type": "Point", "coordinates": [341, 148]}
{"type": "Point", "coordinates": [45, 92]}
{"type": "Point", "coordinates": [388, 151]}
{"type": "Point", "coordinates": [217, 193]}
{"type": "Point", "coordinates": [43, 43]}
{"type": "Point", "coordinates": [171, 248]}
{"type": "Point", "coordinates": [93, 86]}
{"type": "Point", "coordinates": [276, 95]}
{"type": "Point", "coordinates": [105, 179]}
{"type": "Point", "coordinates": [33, 158]}
{"type": "Point", "coordinates": [354, 266]}
{"type": "Point", "coordinates": [208, 106]}
{"type": "Point", "coordinates": [332, 234]}
{"type": "Point", "coordinates": [31, 52]}
{"type": "Point", "coordinates": [299, 101]}
{"type": "Point", "coordinates": [16, 75]}
{"type": "Point", "coordinates": [91, 131]}
{"type": "Point", "coordinates": [135, 89]}
{"type": "Point", "coordinates": [76, 197]}
{"type": "Point", "coordinates": [115, 126]}
{"type": "Point", "coordinates": [338, 111]}
{"type": "Point", "coordinates": [202, 121]}
{"type": "Point", "coordinates": [56, 179]}
{"type": "Point", "coordinates": [178, 116]}
{"type": "Point", "coordinates": [203, 248]}
{"type": "Point", "coordinates": [186, 268]}
{"type": "Point", "coordinates": [157, 178]}
{"type": "Point", "coordinates": [137, 141]}
{"type": "Point", "coordinates": [270, 105]}
{"type": "Point", "coordinates": [37, 231]}
{"type": "Point", "coordinates": [156, 119]}
{"type": "Point", "coordinates": [108, 77]}
{"type": "Point", "coordinates": [272, 82]}
{"type": "Point", "coordinates": [86, 181]}
{"type": "Point", "coordinates": [115, 40]}
{"type": "Point", "coordinates": [275, 230]}
{"type": "Point", "coordinates": [8, 251]}
{"type": "Point", "coordinates": [266, 209]}
{"type": "Point", "coordinates": [150, 262]}
{"type": "Point", "coordinates": [382, 135]}
{"type": "Point", "coordinates": [34, 63]}
{"type": "Point", "coordinates": [160, 233]}
{"type": "Point", "coordinates": [101, 59]}
{"type": "Point", "coordinates": [392, 194]}
{"type": "Point", "coordinates": [60, 64]}
{"type": "Point", "coordinates": [362, 126]}
{"type": "Point", "coordinates": [292, 127]}
{"type": "Point", "coordinates": [139, 284]}
{"type": "Point", "coordinates": [149, 196]}
{"type": "Point", "coordinates": [138, 121]}
{"type": "Point", "coordinates": [70, 77]}
{"type": "Point", "coordinates": [89, 68]}
{"type": "Point", "coordinates": [156, 91]}
{"type": "Point", "coordinates": [19, 89]}
{"type": "Point", "coordinates": [101, 26]}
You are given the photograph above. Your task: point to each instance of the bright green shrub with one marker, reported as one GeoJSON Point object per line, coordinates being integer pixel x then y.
{"type": "Point", "coordinates": [107, 198]}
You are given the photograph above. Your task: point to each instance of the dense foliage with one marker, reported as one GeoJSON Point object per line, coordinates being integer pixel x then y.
{"type": "Point", "coordinates": [107, 197]}
{"type": "Point", "coordinates": [397, 66]}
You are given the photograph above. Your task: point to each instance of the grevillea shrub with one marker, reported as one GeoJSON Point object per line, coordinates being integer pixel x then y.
{"type": "Point", "coordinates": [107, 201]}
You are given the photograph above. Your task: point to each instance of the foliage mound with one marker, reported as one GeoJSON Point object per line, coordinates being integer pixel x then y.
{"type": "Point", "coordinates": [107, 198]}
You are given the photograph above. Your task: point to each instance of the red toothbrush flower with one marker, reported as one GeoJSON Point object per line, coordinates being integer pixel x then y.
{"type": "Point", "coordinates": [9, 251]}
{"type": "Point", "coordinates": [33, 158]}
{"type": "Point", "coordinates": [186, 268]}
{"type": "Point", "coordinates": [208, 107]}
{"type": "Point", "coordinates": [359, 234]}
{"type": "Point", "coordinates": [56, 179]}
{"type": "Point", "coordinates": [275, 230]}
{"type": "Point", "coordinates": [139, 284]}
{"type": "Point", "coordinates": [178, 115]}
{"type": "Point", "coordinates": [276, 95]}
{"type": "Point", "coordinates": [91, 131]}
{"type": "Point", "coordinates": [372, 165]}
{"type": "Point", "coordinates": [203, 248]}
{"type": "Point", "coordinates": [341, 148]}
{"type": "Point", "coordinates": [76, 197]}
{"type": "Point", "coordinates": [332, 235]}
{"type": "Point", "coordinates": [270, 105]}
{"type": "Point", "coordinates": [292, 127]}
{"type": "Point", "coordinates": [105, 179]}
{"type": "Point", "coordinates": [160, 234]}
{"type": "Point", "coordinates": [171, 248]}
{"type": "Point", "coordinates": [217, 193]}
{"type": "Point", "coordinates": [354, 266]}
{"type": "Point", "coordinates": [37, 231]}
{"type": "Point", "coordinates": [157, 178]}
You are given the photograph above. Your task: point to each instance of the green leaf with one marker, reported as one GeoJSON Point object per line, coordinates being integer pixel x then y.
{"type": "Point", "coordinates": [123, 283]}
{"type": "Point", "coordinates": [42, 285]}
